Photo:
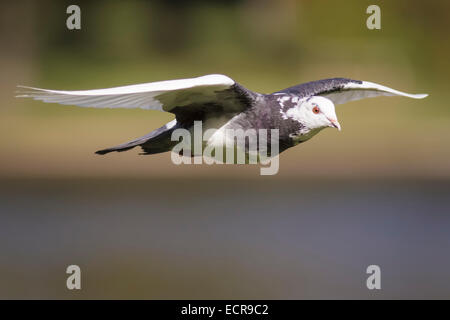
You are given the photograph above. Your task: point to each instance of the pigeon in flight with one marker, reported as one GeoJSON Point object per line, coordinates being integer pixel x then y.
{"type": "Point", "coordinates": [298, 112]}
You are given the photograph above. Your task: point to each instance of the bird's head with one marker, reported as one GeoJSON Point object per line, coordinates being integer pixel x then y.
{"type": "Point", "coordinates": [319, 113]}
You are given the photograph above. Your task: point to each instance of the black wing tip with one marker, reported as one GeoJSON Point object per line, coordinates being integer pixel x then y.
{"type": "Point", "coordinates": [103, 152]}
{"type": "Point", "coordinates": [118, 149]}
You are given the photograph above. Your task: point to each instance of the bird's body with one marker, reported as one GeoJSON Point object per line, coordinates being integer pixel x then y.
{"type": "Point", "coordinates": [298, 112]}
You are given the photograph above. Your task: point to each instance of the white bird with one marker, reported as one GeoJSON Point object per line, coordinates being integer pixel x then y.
{"type": "Point", "coordinates": [298, 112]}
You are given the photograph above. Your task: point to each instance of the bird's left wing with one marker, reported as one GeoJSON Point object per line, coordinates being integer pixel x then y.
{"type": "Point", "coordinates": [342, 90]}
{"type": "Point", "coordinates": [175, 96]}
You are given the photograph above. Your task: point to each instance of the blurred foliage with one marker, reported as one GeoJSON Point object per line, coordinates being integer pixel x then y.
{"type": "Point", "coordinates": [264, 45]}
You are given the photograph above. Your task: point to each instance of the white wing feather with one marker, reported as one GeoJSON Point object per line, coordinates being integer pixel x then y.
{"type": "Point", "coordinates": [143, 96]}
{"type": "Point", "coordinates": [357, 91]}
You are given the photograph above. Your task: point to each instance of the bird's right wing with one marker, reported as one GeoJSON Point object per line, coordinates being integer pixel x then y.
{"type": "Point", "coordinates": [175, 96]}
{"type": "Point", "coordinates": [342, 90]}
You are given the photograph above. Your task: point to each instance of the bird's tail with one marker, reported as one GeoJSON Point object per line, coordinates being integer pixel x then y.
{"type": "Point", "coordinates": [118, 148]}
{"type": "Point", "coordinates": [125, 146]}
{"type": "Point", "coordinates": [154, 142]}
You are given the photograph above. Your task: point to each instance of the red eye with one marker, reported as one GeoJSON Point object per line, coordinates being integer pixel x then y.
{"type": "Point", "coordinates": [316, 110]}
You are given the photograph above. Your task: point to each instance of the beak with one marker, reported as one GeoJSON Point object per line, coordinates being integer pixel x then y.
{"type": "Point", "coordinates": [334, 124]}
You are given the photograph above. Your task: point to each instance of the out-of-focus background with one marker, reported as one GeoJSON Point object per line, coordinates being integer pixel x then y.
{"type": "Point", "coordinates": [140, 227]}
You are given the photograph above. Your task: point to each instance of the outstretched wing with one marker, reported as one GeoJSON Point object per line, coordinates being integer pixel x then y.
{"type": "Point", "coordinates": [195, 95]}
{"type": "Point", "coordinates": [341, 90]}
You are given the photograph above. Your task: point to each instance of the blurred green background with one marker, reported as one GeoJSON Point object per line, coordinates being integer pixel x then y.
{"type": "Point", "coordinates": [58, 197]}
{"type": "Point", "coordinates": [264, 45]}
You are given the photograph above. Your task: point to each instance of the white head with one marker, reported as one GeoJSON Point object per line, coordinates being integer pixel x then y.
{"type": "Point", "coordinates": [318, 113]}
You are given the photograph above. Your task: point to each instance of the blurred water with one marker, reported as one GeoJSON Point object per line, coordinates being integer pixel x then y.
{"type": "Point", "coordinates": [211, 239]}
